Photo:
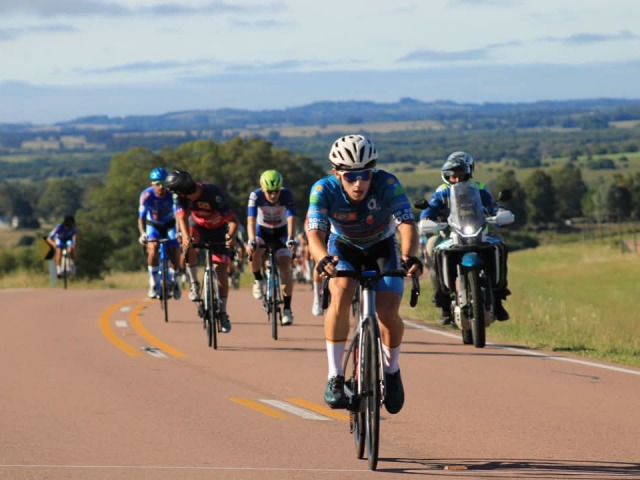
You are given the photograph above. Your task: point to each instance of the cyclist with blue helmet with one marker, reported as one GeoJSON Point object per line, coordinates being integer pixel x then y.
{"type": "Point", "coordinates": [156, 219]}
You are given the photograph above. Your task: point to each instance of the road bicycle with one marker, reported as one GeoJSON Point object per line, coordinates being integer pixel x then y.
{"type": "Point", "coordinates": [164, 281]}
{"type": "Point", "coordinates": [365, 386]}
{"type": "Point", "coordinates": [209, 303]}
{"type": "Point", "coordinates": [272, 301]}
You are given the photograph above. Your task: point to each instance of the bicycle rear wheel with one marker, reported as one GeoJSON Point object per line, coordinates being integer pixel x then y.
{"type": "Point", "coordinates": [371, 384]}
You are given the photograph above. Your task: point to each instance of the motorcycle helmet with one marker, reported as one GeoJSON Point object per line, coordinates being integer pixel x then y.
{"type": "Point", "coordinates": [455, 165]}
{"type": "Point", "coordinates": [465, 157]}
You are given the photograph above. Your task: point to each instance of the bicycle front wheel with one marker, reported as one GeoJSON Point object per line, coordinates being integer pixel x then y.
{"type": "Point", "coordinates": [65, 269]}
{"type": "Point", "coordinates": [274, 309]}
{"type": "Point", "coordinates": [164, 294]}
{"type": "Point", "coordinates": [356, 414]}
{"type": "Point", "coordinates": [372, 394]}
{"type": "Point", "coordinates": [210, 319]}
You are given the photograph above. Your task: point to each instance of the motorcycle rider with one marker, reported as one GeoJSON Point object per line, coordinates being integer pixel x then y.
{"type": "Point", "coordinates": [457, 168]}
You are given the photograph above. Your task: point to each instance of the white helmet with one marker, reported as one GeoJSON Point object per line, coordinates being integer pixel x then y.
{"type": "Point", "coordinates": [353, 152]}
{"type": "Point", "coordinates": [464, 157]}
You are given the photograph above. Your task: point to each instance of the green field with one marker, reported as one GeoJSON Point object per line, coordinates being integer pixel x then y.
{"type": "Point", "coordinates": [578, 298]}
{"type": "Point", "coordinates": [486, 172]}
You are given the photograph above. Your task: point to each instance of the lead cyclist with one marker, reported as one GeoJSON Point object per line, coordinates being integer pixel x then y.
{"type": "Point", "coordinates": [362, 208]}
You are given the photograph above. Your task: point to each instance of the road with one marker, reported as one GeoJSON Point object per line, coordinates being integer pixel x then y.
{"type": "Point", "coordinates": [95, 385]}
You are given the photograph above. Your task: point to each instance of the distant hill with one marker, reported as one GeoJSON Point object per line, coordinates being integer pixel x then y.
{"type": "Point", "coordinates": [491, 115]}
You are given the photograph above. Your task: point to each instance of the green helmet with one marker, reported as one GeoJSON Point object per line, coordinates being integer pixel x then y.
{"type": "Point", "coordinates": [271, 180]}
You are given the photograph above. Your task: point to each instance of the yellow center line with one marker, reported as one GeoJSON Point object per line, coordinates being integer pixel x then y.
{"type": "Point", "coordinates": [318, 408]}
{"type": "Point", "coordinates": [144, 333]}
{"type": "Point", "coordinates": [105, 327]}
{"type": "Point", "coordinates": [260, 407]}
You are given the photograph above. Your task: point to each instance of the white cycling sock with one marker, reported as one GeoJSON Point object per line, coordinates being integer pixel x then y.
{"type": "Point", "coordinates": [390, 359]}
{"type": "Point", "coordinates": [153, 272]}
{"type": "Point", "coordinates": [335, 350]}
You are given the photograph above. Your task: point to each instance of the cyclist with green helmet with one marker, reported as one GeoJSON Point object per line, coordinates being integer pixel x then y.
{"type": "Point", "coordinates": [271, 220]}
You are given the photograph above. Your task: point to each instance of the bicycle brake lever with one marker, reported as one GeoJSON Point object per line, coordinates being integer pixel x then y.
{"type": "Point", "coordinates": [415, 292]}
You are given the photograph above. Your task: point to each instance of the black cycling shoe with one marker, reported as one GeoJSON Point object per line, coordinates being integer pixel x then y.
{"type": "Point", "coordinates": [499, 312]}
{"type": "Point", "coordinates": [334, 393]}
{"type": "Point", "coordinates": [394, 395]}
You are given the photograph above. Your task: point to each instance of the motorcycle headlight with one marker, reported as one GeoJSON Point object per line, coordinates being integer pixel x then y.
{"type": "Point", "coordinates": [468, 230]}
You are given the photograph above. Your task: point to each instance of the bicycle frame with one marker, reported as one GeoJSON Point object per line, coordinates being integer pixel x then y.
{"type": "Point", "coordinates": [209, 305]}
{"type": "Point", "coordinates": [164, 281]}
{"type": "Point", "coordinates": [272, 301]}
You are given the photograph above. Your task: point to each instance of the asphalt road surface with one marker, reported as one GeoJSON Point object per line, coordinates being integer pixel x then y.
{"type": "Point", "coordinates": [95, 385]}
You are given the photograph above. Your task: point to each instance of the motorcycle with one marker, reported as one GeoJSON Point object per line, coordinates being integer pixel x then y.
{"type": "Point", "coordinates": [469, 263]}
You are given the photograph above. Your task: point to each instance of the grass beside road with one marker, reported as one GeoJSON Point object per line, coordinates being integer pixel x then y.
{"type": "Point", "coordinates": [578, 298]}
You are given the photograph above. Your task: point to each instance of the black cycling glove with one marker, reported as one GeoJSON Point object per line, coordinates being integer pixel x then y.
{"type": "Point", "coordinates": [410, 262]}
{"type": "Point", "coordinates": [323, 263]}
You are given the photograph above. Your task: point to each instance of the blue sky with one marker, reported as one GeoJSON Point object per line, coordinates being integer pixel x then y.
{"type": "Point", "coordinates": [68, 58]}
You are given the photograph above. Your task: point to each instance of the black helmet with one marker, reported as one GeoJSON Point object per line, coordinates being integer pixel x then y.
{"type": "Point", "coordinates": [455, 164]}
{"type": "Point", "coordinates": [180, 181]}
{"type": "Point", "coordinates": [69, 221]}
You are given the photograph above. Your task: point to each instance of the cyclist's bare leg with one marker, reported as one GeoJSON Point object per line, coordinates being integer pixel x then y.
{"type": "Point", "coordinates": [256, 260]}
{"type": "Point", "coordinates": [286, 274]}
{"type": "Point", "coordinates": [222, 270]}
{"type": "Point", "coordinates": [174, 255]}
{"type": "Point", "coordinates": [336, 320]}
{"type": "Point", "coordinates": [192, 265]}
{"type": "Point", "coordinates": [391, 325]}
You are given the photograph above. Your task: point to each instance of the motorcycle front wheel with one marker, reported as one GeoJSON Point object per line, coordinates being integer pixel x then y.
{"type": "Point", "coordinates": [476, 308]}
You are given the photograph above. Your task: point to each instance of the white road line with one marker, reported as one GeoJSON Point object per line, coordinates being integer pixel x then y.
{"type": "Point", "coordinates": [121, 324]}
{"type": "Point", "coordinates": [294, 409]}
{"type": "Point", "coordinates": [154, 352]}
{"type": "Point", "coordinates": [125, 309]}
{"type": "Point", "coordinates": [185, 467]}
{"type": "Point", "coordinates": [559, 358]}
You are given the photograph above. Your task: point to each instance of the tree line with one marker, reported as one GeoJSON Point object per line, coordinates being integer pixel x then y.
{"type": "Point", "coordinates": [106, 205]}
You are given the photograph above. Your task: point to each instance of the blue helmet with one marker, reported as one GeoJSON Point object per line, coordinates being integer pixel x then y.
{"type": "Point", "coordinates": [158, 175]}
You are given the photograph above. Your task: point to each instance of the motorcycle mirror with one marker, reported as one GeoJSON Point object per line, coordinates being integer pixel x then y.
{"type": "Point", "coordinates": [420, 204]}
{"type": "Point", "coordinates": [505, 195]}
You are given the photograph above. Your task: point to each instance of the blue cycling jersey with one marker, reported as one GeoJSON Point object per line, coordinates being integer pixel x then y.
{"type": "Point", "coordinates": [363, 223]}
{"type": "Point", "coordinates": [157, 211]}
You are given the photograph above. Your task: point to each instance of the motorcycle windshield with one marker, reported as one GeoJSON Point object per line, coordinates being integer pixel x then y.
{"type": "Point", "coordinates": [466, 214]}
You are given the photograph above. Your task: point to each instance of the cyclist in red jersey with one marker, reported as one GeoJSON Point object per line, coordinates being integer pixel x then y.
{"type": "Point", "coordinates": [203, 214]}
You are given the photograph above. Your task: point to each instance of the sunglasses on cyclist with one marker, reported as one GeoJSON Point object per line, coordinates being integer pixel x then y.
{"type": "Point", "coordinates": [353, 177]}
{"type": "Point", "coordinates": [272, 192]}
